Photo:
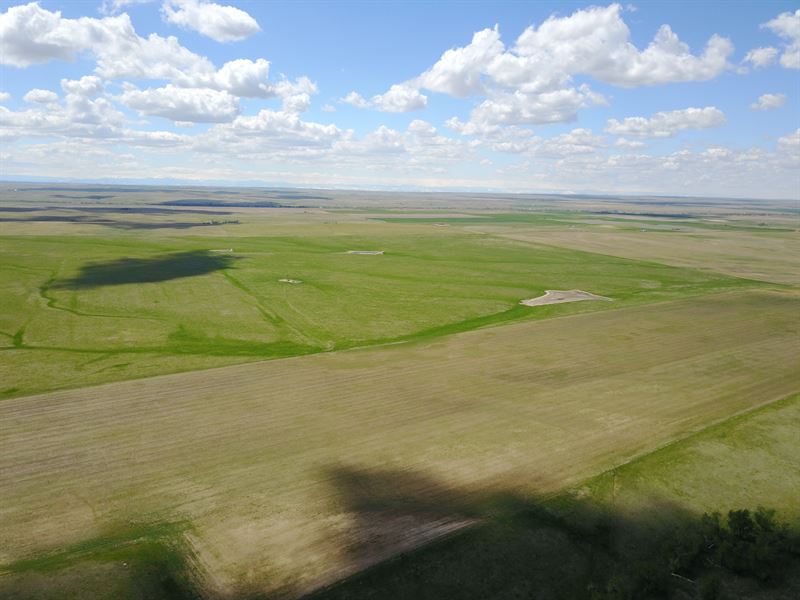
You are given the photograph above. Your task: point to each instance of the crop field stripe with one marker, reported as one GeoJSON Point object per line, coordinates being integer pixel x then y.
{"type": "Point", "coordinates": [744, 281]}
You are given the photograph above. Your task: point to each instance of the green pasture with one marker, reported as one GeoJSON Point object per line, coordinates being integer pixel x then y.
{"type": "Point", "coordinates": [89, 308]}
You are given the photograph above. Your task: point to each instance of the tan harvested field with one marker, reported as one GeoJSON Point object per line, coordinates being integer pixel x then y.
{"type": "Point", "coordinates": [253, 455]}
{"type": "Point", "coordinates": [773, 257]}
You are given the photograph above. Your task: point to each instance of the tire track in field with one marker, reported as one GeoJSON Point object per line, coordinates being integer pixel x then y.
{"type": "Point", "coordinates": [271, 317]}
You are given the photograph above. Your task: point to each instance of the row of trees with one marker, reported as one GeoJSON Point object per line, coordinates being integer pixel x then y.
{"type": "Point", "coordinates": [696, 556]}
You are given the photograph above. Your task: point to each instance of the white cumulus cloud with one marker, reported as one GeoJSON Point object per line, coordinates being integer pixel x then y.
{"type": "Point", "coordinates": [769, 101]}
{"type": "Point", "coordinates": [421, 128]}
{"type": "Point", "coordinates": [296, 103]}
{"type": "Point", "coordinates": [355, 99]}
{"type": "Point", "coordinates": [220, 23]}
{"type": "Point", "coordinates": [78, 117]}
{"type": "Point", "coordinates": [556, 106]}
{"type": "Point", "coordinates": [89, 85]}
{"type": "Point", "coordinates": [400, 98]}
{"type": "Point", "coordinates": [31, 35]}
{"type": "Point", "coordinates": [667, 124]}
{"type": "Point", "coordinates": [593, 41]}
{"type": "Point", "coordinates": [196, 105]}
{"type": "Point", "coordinates": [41, 96]}
{"type": "Point", "coordinates": [787, 26]}
{"type": "Point", "coordinates": [761, 57]}
{"type": "Point", "coordinates": [533, 80]}
{"type": "Point", "coordinates": [459, 71]}
{"type": "Point", "coordinates": [791, 141]}
{"type": "Point", "coordinates": [629, 144]}
{"type": "Point", "coordinates": [269, 132]}
{"type": "Point", "coordinates": [596, 42]}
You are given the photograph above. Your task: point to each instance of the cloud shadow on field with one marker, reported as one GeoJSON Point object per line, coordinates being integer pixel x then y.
{"type": "Point", "coordinates": [114, 223]}
{"type": "Point", "coordinates": [146, 270]}
{"type": "Point", "coordinates": [143, 210]}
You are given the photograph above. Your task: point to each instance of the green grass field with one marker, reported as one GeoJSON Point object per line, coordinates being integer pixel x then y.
{"type": "Point", "coordinates": [176, 422]}
{"type": "Point", "coordinates": [88, 309]}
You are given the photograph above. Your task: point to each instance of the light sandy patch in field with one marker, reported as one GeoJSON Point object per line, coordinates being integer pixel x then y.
{"type": "Point", "coordinates": [290, 280]}
{"type": "Point", "coordinates": [252, 454]}
{"type": "Point", "coordinates": [560, 296]}
{"type": "Point", "coordinates": [366, 252]}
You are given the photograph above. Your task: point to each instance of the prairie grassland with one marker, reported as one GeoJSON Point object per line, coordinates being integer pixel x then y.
{"type": "Point", "coordinates": [131, 296]}
{"type": "Point", "coordinates": [258, 460]}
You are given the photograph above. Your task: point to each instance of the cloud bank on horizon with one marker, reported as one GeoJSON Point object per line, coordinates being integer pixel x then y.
{"type": "Point", "coordinates": [589, 98]}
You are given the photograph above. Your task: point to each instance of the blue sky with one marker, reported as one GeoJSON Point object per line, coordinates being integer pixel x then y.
{"type": "Point", "coordinates": [694, 98]}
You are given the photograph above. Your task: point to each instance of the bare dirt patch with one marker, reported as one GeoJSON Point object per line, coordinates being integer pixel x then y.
{"type": "Point", "coordinates": [367, 252]}
{"type": "Point", "coordinates": [560, 296]}
{"type": "Point", "coordinates": [295, 281]}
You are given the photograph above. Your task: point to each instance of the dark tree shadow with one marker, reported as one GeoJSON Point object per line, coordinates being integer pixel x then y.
{"type": "Point", "coordinates": [514, 546]}
{"type": "Point", "coordinates": [146, 270]}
